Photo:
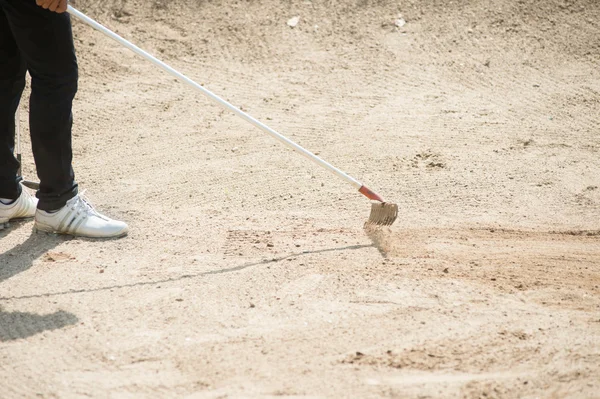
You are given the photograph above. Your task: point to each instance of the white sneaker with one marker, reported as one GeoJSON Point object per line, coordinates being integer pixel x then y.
{"type": "Point", "coordinates": [23, 207]}
{"type": "Point", "coordinates": [79, 218]}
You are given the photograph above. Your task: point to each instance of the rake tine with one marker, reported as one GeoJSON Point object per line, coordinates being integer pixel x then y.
{"type": "Point", "coordinates": [383, 214]}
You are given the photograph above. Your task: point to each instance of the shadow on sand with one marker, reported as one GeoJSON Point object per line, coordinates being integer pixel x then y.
{"type": "Point", "coordinates": [21, 257]}
{"type": "Point", "coordinates": [18, 325]}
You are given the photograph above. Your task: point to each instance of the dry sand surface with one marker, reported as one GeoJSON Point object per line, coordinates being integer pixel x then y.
{"type": "Point", "coordinates": [247, 272]}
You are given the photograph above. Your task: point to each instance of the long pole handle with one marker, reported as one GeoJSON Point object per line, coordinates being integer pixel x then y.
{"type": "Point", "coordinates": [32, 185]}
{"type": "Point", "coordinates": [18, 131]}
{"type": "Point", "coordinates": [289, 143]}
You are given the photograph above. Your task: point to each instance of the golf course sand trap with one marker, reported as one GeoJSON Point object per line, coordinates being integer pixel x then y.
{"type": "Point", "coordinates": [247, 272]}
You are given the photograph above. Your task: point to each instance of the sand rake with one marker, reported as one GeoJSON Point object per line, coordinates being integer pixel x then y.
{"type": "Point", "coordinates": [382, 213]}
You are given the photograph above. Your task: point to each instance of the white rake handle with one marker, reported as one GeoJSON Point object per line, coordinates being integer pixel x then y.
{"type": "Point", "coordinates": [364, 190]}
{"type": "Point", "coordinates": [18, 127]}
{"type": "Point", "coordinates": [18, 131]}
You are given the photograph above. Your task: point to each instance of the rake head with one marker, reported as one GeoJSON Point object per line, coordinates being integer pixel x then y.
{"type": "Point", "coordinates": [30, 184]}
{"type": "Point", "coordinates": [383, 214]}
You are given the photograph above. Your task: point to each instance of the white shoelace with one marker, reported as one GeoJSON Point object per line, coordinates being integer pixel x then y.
{"type": "Point", "coordinates": [84, 205]}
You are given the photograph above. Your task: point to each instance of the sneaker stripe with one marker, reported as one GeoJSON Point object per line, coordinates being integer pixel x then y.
{"type": "Point", "coordinates": [19, 208]}
{"type": "Point", "coordinates": [76, 227]}
{"type": "Point", "coordinates": [63, 221]}
{"type": "Point", "coordinates": [74, 218]}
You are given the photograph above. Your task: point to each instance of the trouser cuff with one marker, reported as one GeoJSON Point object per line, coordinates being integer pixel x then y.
{"type": "Point", "coordinates": [53, 203]}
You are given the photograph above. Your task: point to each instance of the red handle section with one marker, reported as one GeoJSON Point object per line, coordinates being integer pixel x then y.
{"type": "Point", "coordinates": [372, 195]}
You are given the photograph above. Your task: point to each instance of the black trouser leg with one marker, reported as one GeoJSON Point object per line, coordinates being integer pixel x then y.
{"type": "Point", "coordinates": [12, 83]}
{"type": "Point", "coordinates": [45, 41]}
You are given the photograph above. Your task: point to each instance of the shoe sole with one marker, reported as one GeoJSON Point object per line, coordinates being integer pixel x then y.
{"type": "Point", "coordinates": [38, 230]}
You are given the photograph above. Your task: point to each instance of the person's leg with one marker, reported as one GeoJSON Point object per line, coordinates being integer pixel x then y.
{"type": "Point", "coordinates": [12, 83]}
{"type": "Point", "coordinates": [45, 41]}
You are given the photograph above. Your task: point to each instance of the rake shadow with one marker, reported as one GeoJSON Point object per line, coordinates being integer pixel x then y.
{"type": "Point", "coordinates": [188, 276]}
